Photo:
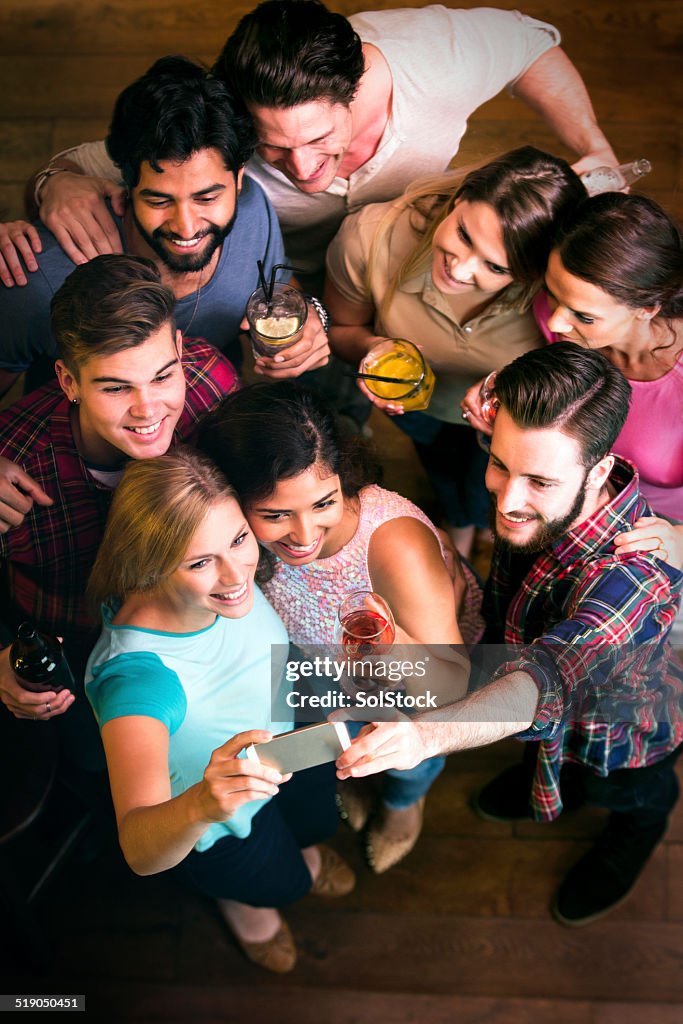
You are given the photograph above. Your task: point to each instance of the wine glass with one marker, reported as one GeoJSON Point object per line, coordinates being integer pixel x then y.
{"type": "Point", "coordinates": [365, 624]}
{"type": "Point", "coordinates": [487, 395]}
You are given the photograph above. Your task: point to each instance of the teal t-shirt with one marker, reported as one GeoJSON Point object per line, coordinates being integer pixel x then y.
{"type": "Point", "coordinates": [205, 687]}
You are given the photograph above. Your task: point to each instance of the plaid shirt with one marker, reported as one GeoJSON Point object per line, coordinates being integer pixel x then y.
{"type": "Point", "coordinates": [46, 560]}
{"type": "Point", "coordinates": [591, 625]}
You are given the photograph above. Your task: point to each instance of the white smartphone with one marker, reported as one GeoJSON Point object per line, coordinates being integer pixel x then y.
{"type": "Point", "coordinates": [302, 748]}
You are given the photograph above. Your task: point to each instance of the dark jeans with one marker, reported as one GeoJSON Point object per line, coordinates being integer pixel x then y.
{"type": "Point", "coordinates": [266, 869]}
{"type": "Point", "coordinates": [646, 795]}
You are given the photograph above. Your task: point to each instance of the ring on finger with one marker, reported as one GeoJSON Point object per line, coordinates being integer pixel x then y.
{"type": "Point", "coordinates": [465, 415]}
{"type": "Point", "coordinates": [48, 708]}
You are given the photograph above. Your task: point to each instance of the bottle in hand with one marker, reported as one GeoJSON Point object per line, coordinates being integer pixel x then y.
{"type": "Point", "coordinates": [39, 662]}
{"type": "Point", "coordinates": [614, 179]}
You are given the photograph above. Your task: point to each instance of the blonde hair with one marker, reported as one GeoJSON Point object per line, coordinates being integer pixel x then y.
{"type": "Point", "coordinates": [529, 190]}
{"type": "Point", "coordinates": [157, 508]}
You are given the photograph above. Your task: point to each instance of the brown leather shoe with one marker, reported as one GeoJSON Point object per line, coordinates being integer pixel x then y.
{"type": "Point", "coordinates": [335, 877]}
{"type": "Point", "coordinates": [392, 835]}
{"type": "Point", "coordinates": [355, 802]}
{"type": "Point", "coordinates": [277, 954]}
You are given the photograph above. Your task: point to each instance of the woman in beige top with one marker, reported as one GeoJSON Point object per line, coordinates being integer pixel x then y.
{"type": "Point", "coordinates": [452, 266]}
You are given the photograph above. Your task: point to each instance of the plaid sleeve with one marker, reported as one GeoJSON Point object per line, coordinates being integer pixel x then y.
{"type": "Point", "coordinates": [606, 650]}
{"type": "Point", "coordinates": [210, 377]}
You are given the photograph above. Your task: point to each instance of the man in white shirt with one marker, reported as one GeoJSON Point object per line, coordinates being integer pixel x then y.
{"type": "Point", "coordinates": [348, 111]}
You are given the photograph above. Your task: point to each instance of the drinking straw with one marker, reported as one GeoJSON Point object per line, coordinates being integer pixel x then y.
{"type": "Point", "coordinates": [385, 380]}
{"type": "Point", "coordinates": [280, 266]}
{"type": "Point", "coordinates": [262, 279]}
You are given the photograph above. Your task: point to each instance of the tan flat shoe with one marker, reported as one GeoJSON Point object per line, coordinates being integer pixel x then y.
{"type": "Point", "coordinates": [392, 835]}
{"type": "Point", "coordinates": [277, 954]}
{"type": "Point", "coordinates": [335, 877]}
{"type": "Point", "coordinates": [355, 803]}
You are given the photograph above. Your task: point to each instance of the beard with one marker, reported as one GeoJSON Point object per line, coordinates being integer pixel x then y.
{"type": "Point", "coordinates": [548, 530]}
{"type": "Point", "coordinates": [179, 264]}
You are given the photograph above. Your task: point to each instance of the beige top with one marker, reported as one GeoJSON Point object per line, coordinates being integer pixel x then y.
{"type": "Point", "coordinates": [460, 354]}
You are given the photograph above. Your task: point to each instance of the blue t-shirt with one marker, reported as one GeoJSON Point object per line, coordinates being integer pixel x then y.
{"type": "Point", "coordinates": [213, 313]}
{"type": "Point", "coordinates": [205, 687]}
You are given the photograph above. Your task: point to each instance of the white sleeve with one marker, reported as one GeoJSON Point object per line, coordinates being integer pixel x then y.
{"type": "Point", "coordinates": [92, 158]}
{"type": "Point", "coordinates": [446, 63]}
{"type": "Point", "coordinates": [495, 48]}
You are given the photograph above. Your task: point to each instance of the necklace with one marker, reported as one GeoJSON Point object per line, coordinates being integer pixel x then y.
{"type": "Point", "coordinates": [197, 296]}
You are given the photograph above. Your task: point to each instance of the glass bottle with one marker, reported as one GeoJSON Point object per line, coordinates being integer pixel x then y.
{"type": "Point", "coordinates": [614, 179]}
{"type": "Point", "coordinates": [39, 662]}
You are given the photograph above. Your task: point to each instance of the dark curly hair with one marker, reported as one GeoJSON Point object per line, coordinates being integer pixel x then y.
{"type": "Point", "coordinates": [272, 431]}
{"type": "Point", "coordinates": [287, 52]}
{"type": "Point", "coordinates": [174, 110]}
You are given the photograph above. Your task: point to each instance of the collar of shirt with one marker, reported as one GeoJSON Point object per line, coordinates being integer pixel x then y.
{"type": "Point", "coordinates": [423, 285]}
{"type": "Point", "coordinates": [62, 440]}
{"type": "Point", "coordinates": [596, 534]}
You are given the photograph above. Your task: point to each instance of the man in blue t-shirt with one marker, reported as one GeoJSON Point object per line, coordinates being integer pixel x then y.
{"type": "Point", "coordinates": [181, 149]}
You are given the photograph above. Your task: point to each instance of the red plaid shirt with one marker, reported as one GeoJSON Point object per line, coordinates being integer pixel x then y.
{"type": "Point", "coordinates": [589, 628]}
{"type": "Point", "coordinates": [46, 560]}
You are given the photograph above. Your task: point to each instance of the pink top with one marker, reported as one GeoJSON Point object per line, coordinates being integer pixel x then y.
{"type": "Point", "coordinates": [306, 597]}
{"type": "Point", "coordinates": [652, 437]}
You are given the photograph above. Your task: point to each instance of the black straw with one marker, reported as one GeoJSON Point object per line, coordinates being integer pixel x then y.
{"type": "Point", "coordinates": [264, 283]}
{"type": "Point", "coordinates": [385, 380]}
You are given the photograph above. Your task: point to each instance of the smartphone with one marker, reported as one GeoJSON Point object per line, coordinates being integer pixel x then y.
{"type": "Point", "coordinates": [302, 748]}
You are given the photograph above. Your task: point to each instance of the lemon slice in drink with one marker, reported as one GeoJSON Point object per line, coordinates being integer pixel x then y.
{"type": "Point", "coordinates": [277, 326]}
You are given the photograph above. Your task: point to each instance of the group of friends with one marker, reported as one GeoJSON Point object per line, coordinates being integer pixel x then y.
{"type": "Point", "coordinates": [145, 491]}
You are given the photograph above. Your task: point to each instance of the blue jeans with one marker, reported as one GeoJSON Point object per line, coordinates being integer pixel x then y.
{"type": "Point", "coordinates": [402, 788]}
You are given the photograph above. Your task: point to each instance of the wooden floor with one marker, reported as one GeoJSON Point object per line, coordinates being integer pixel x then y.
{"type": "Point", "coordinates": [460, 932]}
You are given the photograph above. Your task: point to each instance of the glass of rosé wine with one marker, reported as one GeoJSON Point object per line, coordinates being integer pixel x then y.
{"type": "Point", "coordinates": [365, 624]}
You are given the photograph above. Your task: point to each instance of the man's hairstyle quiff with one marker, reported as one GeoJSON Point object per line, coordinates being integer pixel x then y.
{"type": "Point", "coordinates": [107, 305]}
{"type": "Point", "coordinates": [287, 52]}
{"type": "Point", "coordinates": [567, 388]}
{"type": "Point", "coordinates": [174, 110]}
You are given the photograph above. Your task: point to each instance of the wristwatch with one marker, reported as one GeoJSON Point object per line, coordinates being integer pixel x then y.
{"type": "Point", "coordinates": [320, 310]}
{"type": "Point", "coordinates": [41, 178]}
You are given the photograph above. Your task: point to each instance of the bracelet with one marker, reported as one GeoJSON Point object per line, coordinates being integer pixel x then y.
{"type": "Point", "coordinates": [41, 178]}
{"type": "Point", "coordinates": [320, 310]}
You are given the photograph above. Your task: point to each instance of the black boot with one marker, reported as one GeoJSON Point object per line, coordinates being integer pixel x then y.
{"type": "Point", "coordinates": [505, 798]}
{"type": "Point", "coordinates": [605, 875]}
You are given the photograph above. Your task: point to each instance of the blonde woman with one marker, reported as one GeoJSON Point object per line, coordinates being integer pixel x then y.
{"type": "Point", "coordinates": [180, 682]}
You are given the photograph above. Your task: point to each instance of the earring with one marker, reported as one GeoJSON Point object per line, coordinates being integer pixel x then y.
{"type": "Point", "coordinates": [75, 401]}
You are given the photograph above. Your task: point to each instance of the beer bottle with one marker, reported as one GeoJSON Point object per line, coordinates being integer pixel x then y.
{"type": "Point", "coordinates": [38, 661]}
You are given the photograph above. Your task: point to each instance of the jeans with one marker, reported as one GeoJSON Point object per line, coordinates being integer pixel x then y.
{"type": "Point", "coordinates": [646, 795]}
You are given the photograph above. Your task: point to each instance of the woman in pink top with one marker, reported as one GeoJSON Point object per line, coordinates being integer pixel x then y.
{"type": "Point", "coordinates": [615, 282]}
{"type": "Point", "coordinates": [310, 499]}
